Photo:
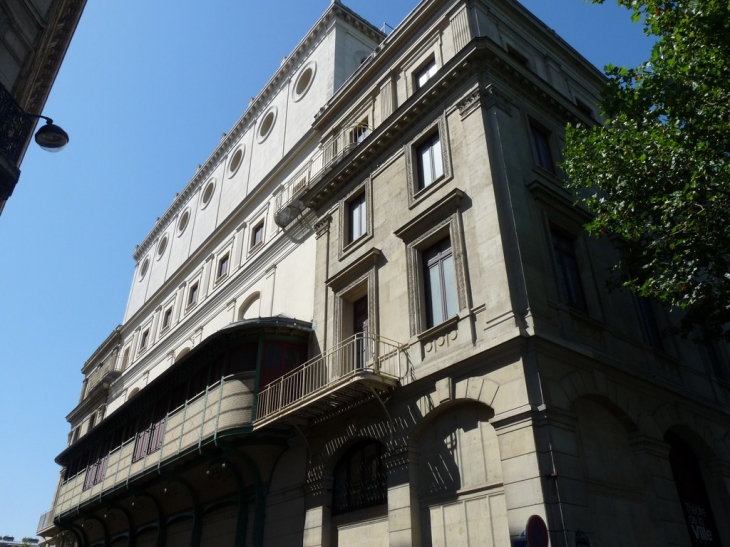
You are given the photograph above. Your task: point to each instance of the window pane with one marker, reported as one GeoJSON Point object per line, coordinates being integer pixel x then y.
{"type": "Point", "coordinates": [452, 303]}
{"type": "Point", "coordinates": [425, 165]}
{"type": "Point", "coordinates": [437, 305]}
{"type": "Point", "coordinates": [568, 272]}
{"type": "Point", "coordinates": [357, 220]}
{"type": "Point", "coordinates": [438, 165]}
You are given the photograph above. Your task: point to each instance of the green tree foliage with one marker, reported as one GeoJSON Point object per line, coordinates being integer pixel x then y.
{"type": "Point", "coordinates": [657, 173]}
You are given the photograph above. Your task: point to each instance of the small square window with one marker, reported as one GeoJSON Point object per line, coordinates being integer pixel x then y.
{"type": "Point", "coordinates": [424, 74]}
{"type": "Point", "coordinates": [144, 340]}
{"type": "Point", "coordinates": [518, 56]}
{"type": "Point", "coordinates": [193, 294]}
{"type": "Point", "coordinates": [439, 283]}
{"type": "Point", "coordinates": [167, 319]}
{"type": "Point", "coordinates": [223, 266]}
{"type": "Point", "coordinates": [356, 218]}
{"type": "Point", "coordinates": [541, 144]}
{"type": "Point", "coordinates": [568, 271]}
{"type": "Point", "coordinates": [257, 235]}
{"type": "Point", "coordinates": [430, 161]}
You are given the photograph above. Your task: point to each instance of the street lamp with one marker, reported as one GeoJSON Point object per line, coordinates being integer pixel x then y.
{"type": "Point", "coordinates": [50, 137]}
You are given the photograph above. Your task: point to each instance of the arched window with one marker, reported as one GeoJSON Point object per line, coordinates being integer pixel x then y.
{"type": "Point", "coordinates": [359, 479]}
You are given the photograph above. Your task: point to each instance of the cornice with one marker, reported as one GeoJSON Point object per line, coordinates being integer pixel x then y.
{"type": "Point", "coordinates": [255, 108]}
{"type": "Point", "coordinates": [39, 74]}
{"type": "Point", "coordinates": [500, 79]}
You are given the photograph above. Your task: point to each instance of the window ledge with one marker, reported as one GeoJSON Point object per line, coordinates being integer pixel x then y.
{"type": "Point", "coordinates": [441, 328]}
{"type": "Point", "coordinates": [354, 245]}
{"type": "Point", "coordinates": [426, 191]}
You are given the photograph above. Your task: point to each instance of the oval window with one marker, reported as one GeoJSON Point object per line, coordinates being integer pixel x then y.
{"type": "Point", "coordinates": [183, 222]}
{"type": "Point", "coordinates": [304, 81]}
{"type": "Point", "coordinates": [267, 124]}
{"type": "Point", "coordinates": [208, 192]}
{"type": "Point", "coordinates": [144, 268]}
{"type": "Point", "coordinates": [235, 162]}
{"type": "Point", "coordinates": [162, 246]}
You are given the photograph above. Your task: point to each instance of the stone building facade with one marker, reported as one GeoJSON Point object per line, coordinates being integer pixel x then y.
{"type": "Point", "coordinates": [373, 318]}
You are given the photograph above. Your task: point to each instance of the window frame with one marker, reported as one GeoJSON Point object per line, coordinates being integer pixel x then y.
{"type": "Point", "coordinates": [441, 220]}
{"type": "Point", "coordinates": [144, 339]}
{"type": "Point", "coordinates": [223, 261]}
{"type": "Point", "coordinates": [427, 69]}
{"type": "Point", "coordinates": [445, 291]}
{"type": "Point", "coordinates": [571, 288]}
{"type": "Point", "coordinates": [347, 243]}
{"type": "Point", "coordinates": [417, 192]}
{"type": "Point", "coordinates": [258, 227]}
{"type": "Point", "coordinates": [193, 293]}
{"type": "Point", "coordinates": [166, 320]}
{"type": "Point", "coordinates": [543, 147]}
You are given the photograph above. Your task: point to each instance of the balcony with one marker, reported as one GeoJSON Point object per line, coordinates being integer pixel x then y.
{"type": "Point", "coordinates": [104, 374]}
{"type": "Point", "coordinates": [45, 523]}
{"type": "Point", "coordinates": [222, 406]}
{"type": "Point", "coordinates": [288, 204]}
{"type": "Point", "coordinates": [353, 371]}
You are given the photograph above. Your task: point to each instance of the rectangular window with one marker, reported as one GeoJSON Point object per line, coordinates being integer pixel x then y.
{"type": "Point", "coordinates": [223, 266]}
{"type": "Point", "coordinates": [257, 235]}
{"type": "Point", "coordinates": [518, 56]}
{"type": "Point", "coordinates": [430, 161]}
{"type": "Point", "coordinates": [423, 75]}
{"type": "Point", "coordinates": [571, 288]}
{"type": "Point", "coordinates": [92, 421]}
{"type": "Point", "coordinates": [167, 319]}
{"type": "Point", "coordinates": [193, 294]}
{"type": "Point", "coordinates": [125, 359]}
{"type": "Point", "coordinates": [649, 327]}
{"type": "Point", "coordinates": [357, 218]}
{"type": "Point", "coordinates": [143, 341]}
{"type": "Point", "coordinates": [541, 144]}
{"type": "Point", "coordinates": [440, 283]}
{"type": "Point", "coordinates": [360, 132]}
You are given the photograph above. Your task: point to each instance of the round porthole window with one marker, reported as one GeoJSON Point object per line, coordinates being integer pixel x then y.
{"type": "Point", "coordinates": [236, 161]}
{"type": "Point", "coordinates": [304, 81]}
{"type": "Point", "coordinates": [183, 222]}
{"type": "Point", "coordinates": [208, 192]}
{"type": "Point", "coordinates": [267, 124]}
{"type": "Point", "coordinates": [143, 269]}
{"type": "Point", "coordinates": [162, 246]}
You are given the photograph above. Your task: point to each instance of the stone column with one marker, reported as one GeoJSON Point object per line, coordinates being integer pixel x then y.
{"type": "Point", "coordinates": [404, 522]}
{"type": "Point", "coordinates": [318, 513]}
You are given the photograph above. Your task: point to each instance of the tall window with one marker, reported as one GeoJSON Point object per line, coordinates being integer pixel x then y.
{"type": "Point", "coordinates": [359, 478]}
{"type": "Point", "coordinates": [440, 283]}
{"type": "Point", "coordinates": [223, 266]}
{"type": "Point", "coordinates": [541, 144]}
{"type": "Point", "coordinates": [430, 161]}
{"type": "Point", "coordinates": [167, 319]}
{"type": "Point", "coordinates": [145, 338]}
{"type": "Point", "coordinates": [357, 218]}
{"type": "Point", "coordinates": [425, 74]}
{"type": "Point", "coordinates": [257, 235]}
{"type": "Point", "coordinates": [571, 288]}
{"type": "Point", "coordinates": [193, 294]}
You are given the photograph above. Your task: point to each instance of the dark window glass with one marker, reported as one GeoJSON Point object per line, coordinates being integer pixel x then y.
{"type": "Point", "coordinates": [359, 478]}
{"type": "Point", "coordinates": [167, 318]}
{"type": "Point", "coordinates": [571, 288]}
{"type": "Point", "coordinates": [541, 143]}
{"type": "Point", "coordinates": [223, 266]}
{"type": "Point", "coordinates": [440, 283]}
{"type": "Point", "coordinates": [257, 235]}
{"type": "Point", "coordinates": [193, 294]}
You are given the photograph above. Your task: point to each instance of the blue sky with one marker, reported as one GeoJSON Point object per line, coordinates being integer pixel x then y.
{"type": "Point", "coordinates": [145, 93]}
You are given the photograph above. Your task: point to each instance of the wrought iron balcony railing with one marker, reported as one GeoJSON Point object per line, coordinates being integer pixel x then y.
{"type": "Point", "coordinates": [288, 205]}
{"type": "Point", "coordinates": [15, 127]}
{"type": "Point", "coordinates": [329, 380]}
{"type": "Point", "coordinates": [225, 405]}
